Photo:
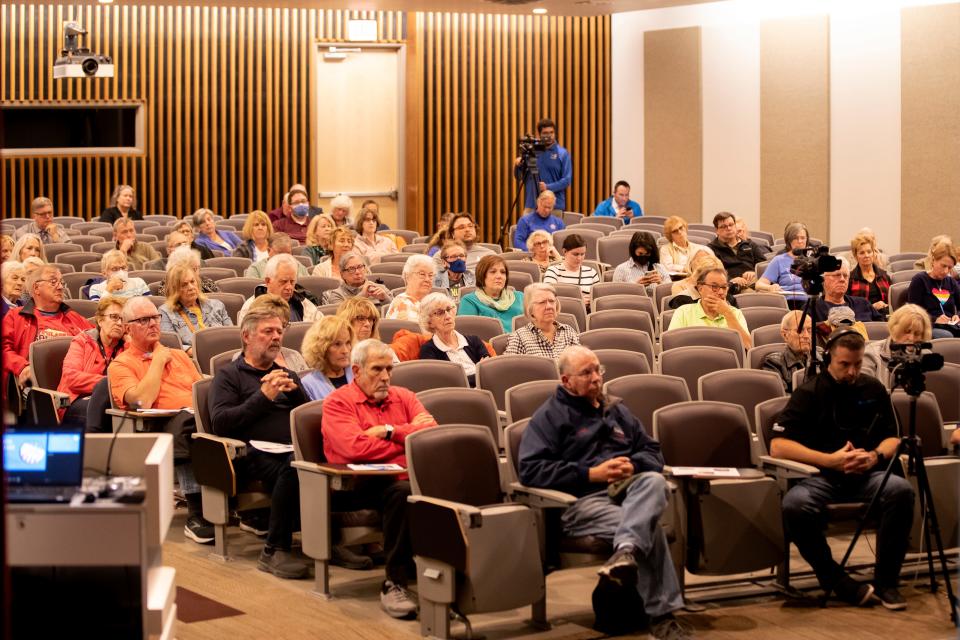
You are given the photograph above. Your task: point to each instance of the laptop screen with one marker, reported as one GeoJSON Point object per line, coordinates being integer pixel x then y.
{"type": "Point", "coordinates": [33, 458]}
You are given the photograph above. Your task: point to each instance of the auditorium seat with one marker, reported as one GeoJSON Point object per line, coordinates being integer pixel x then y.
{"type": "Point", "coordinates": [421, 375]}
{"type": "Point", "coordinates": [704, 336]}
{"type": "Point", "coordinates": [691, 362]}
{"type": "Point", "coordinates": [643, 394]}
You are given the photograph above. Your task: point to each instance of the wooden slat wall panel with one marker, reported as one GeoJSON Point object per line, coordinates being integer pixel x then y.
{"type": "Point", "coordinates": [487, 79]}
{"type": "Point", "coordinates": [226, 94]}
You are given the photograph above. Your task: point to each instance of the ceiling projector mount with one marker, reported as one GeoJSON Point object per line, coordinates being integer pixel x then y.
{"type": "Point", "coordinates": [78, 62]}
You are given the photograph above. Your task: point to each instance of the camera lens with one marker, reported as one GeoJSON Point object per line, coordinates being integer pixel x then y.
{"type": "Point", "coordinates": [90, 66]}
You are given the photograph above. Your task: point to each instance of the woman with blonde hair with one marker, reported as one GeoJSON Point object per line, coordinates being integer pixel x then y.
{"type": "Point", "coordinates": [938, 292]}
{"type": "Point", "coordinates": [319, 234]}
{"type": "Point", "coordinates": [363, 317]}
{"type": "Point", "coordinates": [676, 255]}
{"type": "Point", "coordinates": [187, 310]}
{"type": "Point", "coordinates": [342, 240]}
{"type": "Point", "coordinates": [6, 247]}
{"type": "Point", "coordinates": [29, 245]}
{"type": "Point", "coordinates": [868, 280]}
{"type": "Point", "coordinates": [907, 325]}
{"type": "Point", "coordinates": [326, 349]}
{"type": "Point", "coordinates": [542, 252]}
{"type": "Point", "coordinates": [256, 234]}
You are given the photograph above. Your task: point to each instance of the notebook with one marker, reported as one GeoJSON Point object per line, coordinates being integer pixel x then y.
{"type": "Point", "coordinates": [43, 466]}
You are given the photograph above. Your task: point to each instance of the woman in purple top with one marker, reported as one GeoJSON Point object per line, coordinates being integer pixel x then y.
{"type": "Point", "coordinates": [937, 292]}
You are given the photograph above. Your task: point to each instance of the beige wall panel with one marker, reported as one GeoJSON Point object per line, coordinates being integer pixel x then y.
{"type": "Point", "coordinates": [930, 100]}
{"type": "Point", "coordinates": [795, 123]}
{"type": "Point", "coordinates": [673, 132]}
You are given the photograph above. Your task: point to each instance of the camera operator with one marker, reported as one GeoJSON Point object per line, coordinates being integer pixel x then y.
{"type": "Point", "coordinates": [843, 423]}
{"type": "Point", "coordinates": [909, 324]}
{"type": "Point", "coordinates": [553, 164]}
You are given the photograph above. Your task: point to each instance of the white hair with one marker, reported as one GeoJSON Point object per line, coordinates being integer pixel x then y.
{"type": "Point", "coordinates": [363, 350]}
{"type": "Point", "coordinates": [182, 255]}
{"type": "Point", "coordinates": [274, 263]}
{"type": "Point", "coordinates": [539, 233]}
{"type": "Point", "coordinates": [9, 267]}
{"type": "Point", "coordinates": [428, 304]}
{"type": "Point", "coordinates": [568, 354]}
{"type": "Point", "coordinates": [416, 262]}
{"type": "Point", "coordinates": [342, 202]}
{"type": "Point", "coordinates": [532, 289]}
{"type": "Point", "coordinates": [110, 257]}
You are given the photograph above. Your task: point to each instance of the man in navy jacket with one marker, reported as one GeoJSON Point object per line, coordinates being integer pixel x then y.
{"type": "Point", "coordinates": [581, 442]}
{"type": "Point", "coordinates": [553, 163]}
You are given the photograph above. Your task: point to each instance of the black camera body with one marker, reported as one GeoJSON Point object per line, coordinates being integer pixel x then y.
{"type": "Point", "coordinates": [810, 263]}
{"type": "Point", "coordinates": [908, 363]}
{"type": "Point", "coordinates": [530, 145]}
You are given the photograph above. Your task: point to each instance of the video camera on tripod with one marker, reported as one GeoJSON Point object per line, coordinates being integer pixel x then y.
{"type": "Point", "coordinates": [908, 363]}
{"type": "Point", "coordinates": [529, 147]}
{"type": "Point", "coordinates": [810, 263]}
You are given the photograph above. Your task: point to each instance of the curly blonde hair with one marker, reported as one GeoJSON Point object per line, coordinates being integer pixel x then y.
{"type": "Point", "coordinates": [320, 336]}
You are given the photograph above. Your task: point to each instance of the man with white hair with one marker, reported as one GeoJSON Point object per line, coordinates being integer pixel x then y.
{"type": "Point", "coordinates": [584, 443]}
{"type": "Point", "coordinates": [353, 272]}
{"type": "Point", "coordinates": [368, 420]}
{"type": "Point", "coordinates": [794, 355]}
{"type": "Point", "coordinates": [280, 278]}
{"type": "Point", "coordinates": [541, 218]}
{"type": "Point", "coordinates": [41, 210]}
{"type": "Point", "coordinates": [835, 284]}
{"type": "Point", "coordinates": [125, 237]}
{"type": "Point", "coordinates": [279, 243]}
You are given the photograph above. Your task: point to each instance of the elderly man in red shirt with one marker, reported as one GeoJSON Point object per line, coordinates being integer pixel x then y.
{"type": "Point", "coordinates": [46, 316]}
{"type": "Point", "coordinates": [368, 421]}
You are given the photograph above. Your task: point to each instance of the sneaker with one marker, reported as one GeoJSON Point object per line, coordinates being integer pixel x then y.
{"type": "Point", "coordinates": [344, 556]}
{"type": "Point", "coordinates": [282, 564]}
{"type": "Point", "coordinates": [198, 529]}
{"type": "Point", "coordinates": [397, 601]}
{"type": "Point", "coordinates": [255, 523]}
{"type": "Point", "coordinates": [669, 628]}
{"type": "Point", "coordinates": [890, 598]}
{"type": "Point", "coordinates": [853, 592]}
{"type": "Point", "coordinates": [621, 568]}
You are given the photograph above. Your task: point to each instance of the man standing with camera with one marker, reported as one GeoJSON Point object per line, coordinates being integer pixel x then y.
{"type": "Point", "coordinates": [842, 422]}
{"type": "Point", "coordinates": [552, 163]}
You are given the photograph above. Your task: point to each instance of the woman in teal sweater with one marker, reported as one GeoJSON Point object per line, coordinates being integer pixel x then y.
{"type": "Point", "coordinates": [494, 298]}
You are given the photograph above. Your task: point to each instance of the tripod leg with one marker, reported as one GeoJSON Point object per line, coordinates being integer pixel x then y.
{"type": "Point", "coordinates": [925, 505]}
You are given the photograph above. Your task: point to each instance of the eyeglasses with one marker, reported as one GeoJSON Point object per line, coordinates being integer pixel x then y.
{"type": "Point", "coordinates": [56, 284]}
{"type": "Point", "coordinates": [464, 227]}
{"type": "Point", "coordinates": [729, 225]}
{"type": "Point", "coordinates": [356, 269]}
{"type": "Point", "coordinates": [716, 288]}
{"type": "Point", "coordinates": [589, 372]}
{"type": "Point", "coordinates": [439, 313]}
{"type": "Point", "coordinates": [369, 319]}
{"type": "Point", "coordinates": [114, 317]}
{"type": "Point", "coordinates": [146, 321]}
{"type": "Point", "coordinates": [458, 256]}
{"type": "Point", "coordinates": [540, 243]}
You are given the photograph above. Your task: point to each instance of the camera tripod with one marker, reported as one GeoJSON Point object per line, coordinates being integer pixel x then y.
{"type": "Point", "coordinates": [528, 169]}
{"type": "Point", "coordinates": [910, 445]}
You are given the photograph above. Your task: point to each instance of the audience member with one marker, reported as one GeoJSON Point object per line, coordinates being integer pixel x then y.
{"type": "Point", "coordinates": [739, 257]}
{"type": "Point", "coordinates": [438, 317]}
{"type": "Point", "coordinates": [370, 244]}
{"type": "Point", "coordinates": [190, 257]}
{"type": "Point", "coordinates": [418, 274]}
{"type": "Point", "coordinates": [28, 246]}
{"type": "Point", "coordinates": [843, 423]}
{"type": "Point", "coordinates": [279, 243]}
{"type": "Point", "coordinates": [553, 165]}
{"type": "Point", "coordinates": [123, 204]}
{"type": "Point", "coordinates": [296, 217]}
{"type": "Point", "coordinates": [42, 224]}
{"type": "Point", "coordinates": [581, 442]}
{"type": "Point", "coordinates": [125, 239]}
{"type": "Point", "coordinates": [679, 252]}
{"type": "Point", "coordinates": [43, 316]}
{"type": "Point", "coordinates": [868, 280]}
{"type": "Point", "coordinates": [542, 252]}
{"type": "Point", "coordinates": [31, 264]}
{"type": "Point", "coordinates": [879, 258]}
{"type": "Point", "coordinates": [743, 235]}
{"type": "Point", "coordinates": [712, 309]}
{"type": "Point", "coordinates": [116, 280]}
{"type": "Point", "coordinates": [796, 351]}
{"type": "Point", "coordinates": [452, 272]}
{"type": "Point", "coordinates": [835, 295]}
{"type": "Point", "coordinates": [643, 266]}
{"type": "Point", "coordinates": [14, 282]}
{"type": "Point", "coordinates": [340, 209]}
{"type": "Point", "coordinates": [207, 234]}
{"type": "Point", "coordinates": [288, 358]}
{"type": "Point", "coordinates": [6, 248]}
{"type": "Point", "coordinates": [494, 298]}
{"type": "Point", "coordinates": [909, 324]}
{"type": "Point", "coordinates": [186, 228]}
{"type": "Point", "coordinates": [187, 310]}
{"type": "Point", "coordinates": [363, 316]}
{"type": "Point", "coordinates": [442, 235]}
{"type": "Point", "coordinates": [571, 269]}
{"type": "Point", "coordinates": [543, 335]}
{"type": "Point", "coordinates": [368, 420]}
{"type": "Point", "coordinates": [91, 352]}
{"type": "Point", "coordinates": [326, 349]}
{"type": "Point", "coordinates": [280, 279]}
{"type": "Point", "coordinates": [342, 240]}
{"type": "Point", "coordinates": [938, 292]}
{"type": "Point", "coordinates": [688, 286]}
{"type": "Point", "coordinates": [284, 208]}
{"type": "Point", "coordinates": [619, 205]}
{"type": "Point", "coordinates": [319, 233]}
{"type": "Point", "coordinates": [148, 375]}
{"type": "Point", "coordinates": [353, 275]}
{"type": "Point", "coordinates": [251, 399]}
{"type": "Point", "coordinates": [462, 228]}
{"type": "Point", "coordinates": [540, 219]}
{"type": "Point", "coordinates": [256, 234]}
{"type": "Point", "coordinates": [777, 277]}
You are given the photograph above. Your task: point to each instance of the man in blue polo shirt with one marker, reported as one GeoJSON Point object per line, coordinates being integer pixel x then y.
{"type": "Point", "coordinates": [553, 163]}
{"type": "Point", "coordinates": [540, 218]}
{"type": "Point", "coordinates": [619, 205]}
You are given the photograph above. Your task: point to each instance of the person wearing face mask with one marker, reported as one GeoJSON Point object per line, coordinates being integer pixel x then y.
{"type": "Point", "coordinates": [620, 205]}
{"type": "Point", "coordinates": [908, 325]}
{"type": "Point", "coordinates": [452, 272]}
{"type": "Point", "coordinates": [540, 219]}
{"type": "Point", "coordinates": [295, 221]}
{"type": "Point", "coordinates": [795, 353]}
{"type": "Point", "coordinates": [712, 309]}
{"type": "Point", "coordinates": [644, 266]}
{"type": "Point", "coordinates": [117, 282]}
{"type": "Point", "coordinates": [554, 166]}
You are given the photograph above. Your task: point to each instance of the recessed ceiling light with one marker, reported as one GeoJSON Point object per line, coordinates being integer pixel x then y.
{"type": "Point", "coordinates": [539, 11]}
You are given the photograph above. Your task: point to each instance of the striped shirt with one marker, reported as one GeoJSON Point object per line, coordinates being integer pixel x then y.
{"type": "Point", "coordinates": [529, 340]}
{"type": "Point", "coordinates": [585, 278]}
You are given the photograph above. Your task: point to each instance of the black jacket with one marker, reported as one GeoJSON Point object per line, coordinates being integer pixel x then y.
{"type": "Point", "coordinates": [475, 350]}
{"type": "Point", "coordinates": [112, 214]}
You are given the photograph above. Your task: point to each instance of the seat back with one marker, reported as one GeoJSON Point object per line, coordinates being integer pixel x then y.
{"type": "Point", "coordinates": [630, 301]}
{"type": "Point", "coordinates": [201, 408]}
{"type": "Point", "coordinates": [576, 308]}
{"type": "Point", "coordinates": [661, 292]}
{"type": "Point", "coordinates": [749, 300]}
{"type": "Point", "coordinates": [703, 434]}
{"type": "Point", "coordinates": [944, 385]}
{"type": "Point", "coordinates": [499, 343]}
{"type": "Point", "coordinates": [949, 348]}
{"type": "Point", "coordinates": [294, 333]}
{"type": "Point", "coordinates": [590, 237]}
{"type": "Point", "coordinates": [756, 355]}
{"type": "Point", "coordinates": [692, 362]}
{"type": "Point", "coordinates": [232, 302]}
{"type": "Point", "coordinates": [762, 316]}
{"type": "Point", "coordinates": [512, 435]}
{"type": "Point", "coordinates": [929, 424]}
{"type": "Point", "coordinates": [46, 361]}
{"type": "Point", "coordinates": [462, 405]}
{"type": "Point", "coordinates": [641, 320]}
{"type": "Point", "coordinates": [898, 295]}
{"type": "Point", "coordinates": [500, 373]}
{"type": "Point", "coordinates": [420, 375]}
{"type": "Point", "coordinates": [903, 276]}
{"type": "Point", "coordinates": [621, 362]}
{"type": "Point", "coordinates": [481, 326]}
{"type": "Point", "coordinates": [614, 249]}
{"type": "Point", "coordinates": [77, 259]}
{"type": "Point", "coordinates": [221, 359]}
{"type": "Point", "coordinates": [389, 326]}
{"type": "Point", "coordinates": [612, 338]}
{"type": "Point", "coordinates": [243, 286]}
{"type": "Point", "coordinates": [769, 334]}
{"type": "Point", "coordinates": [150, 275]}
{"type": "Point", "coordinates": [704, 336]}
{"type": "Point", "coordinates": [765, 415]}
{"type": "Point", "coordinates": [211, 341]}
{"type": "Point", "coordinates": [455, 462]}
{"type": "Point", "coordinates": [604, 289]}
{"type": "Point", "coordinates": [520, 280]}
{"type": "Point", "coordinates": [524, 399]}
{"type": "Point", "coordinates": [86, 308]}
{"type": "Point", "coordinates": [54, 249]}
{"type": "Point", "coordinates": [877, 330]}
{"type": "Point", "coordinates": [517, 266]}
{"type": "Point", "coordinates": [745, 387]}
{"type": "Point", "coordinates": [305, 432]}
{"type": "Point", "coordinates": [217, 273]}
{"type": "Point", "coordinates": [643, 394]}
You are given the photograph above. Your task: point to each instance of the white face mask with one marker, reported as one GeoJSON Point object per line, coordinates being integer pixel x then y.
{"type": "Point", "coordinates": [122, 274]}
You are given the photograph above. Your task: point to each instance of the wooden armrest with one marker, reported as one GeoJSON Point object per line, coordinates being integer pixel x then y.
{"type": "Point", "coordinates": [537, 497]}
{"type": "Point", "coordinates": [788, 468]}
{"type": "Point", "coordinates": [236, 448]}
{"type": "Point", "coordinates": [331, 469]}
{"type": "Point", "coordinates": [469, 516]}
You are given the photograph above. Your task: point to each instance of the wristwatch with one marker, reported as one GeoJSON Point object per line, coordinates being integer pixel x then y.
{"type": "Point", "coordinates": [389, 434]}
{"type": "Point", "coordinates": [880, 456]}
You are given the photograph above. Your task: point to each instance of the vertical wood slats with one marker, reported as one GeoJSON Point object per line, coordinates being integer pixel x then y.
{"type": "Point", "coordinates": [487, 80]}
{"type": "Point", "coordinates": [225, 93]}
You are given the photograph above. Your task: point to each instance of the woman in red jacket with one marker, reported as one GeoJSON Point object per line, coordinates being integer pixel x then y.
{"type": "Point", "coordinates": [89, 355]}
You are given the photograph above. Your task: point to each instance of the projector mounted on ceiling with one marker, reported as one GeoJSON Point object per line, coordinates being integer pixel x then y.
{"type": "Point", "coordinates": [78, 62]}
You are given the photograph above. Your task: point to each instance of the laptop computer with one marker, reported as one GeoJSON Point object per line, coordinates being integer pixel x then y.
{"type": "Point", "coordinates": [43, 465]}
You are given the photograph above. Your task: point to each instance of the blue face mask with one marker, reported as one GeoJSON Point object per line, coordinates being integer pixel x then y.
{"type": "Point", "coordinates": [301, 210]}
{"type": "Point", "coordinates": [457, 266]}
